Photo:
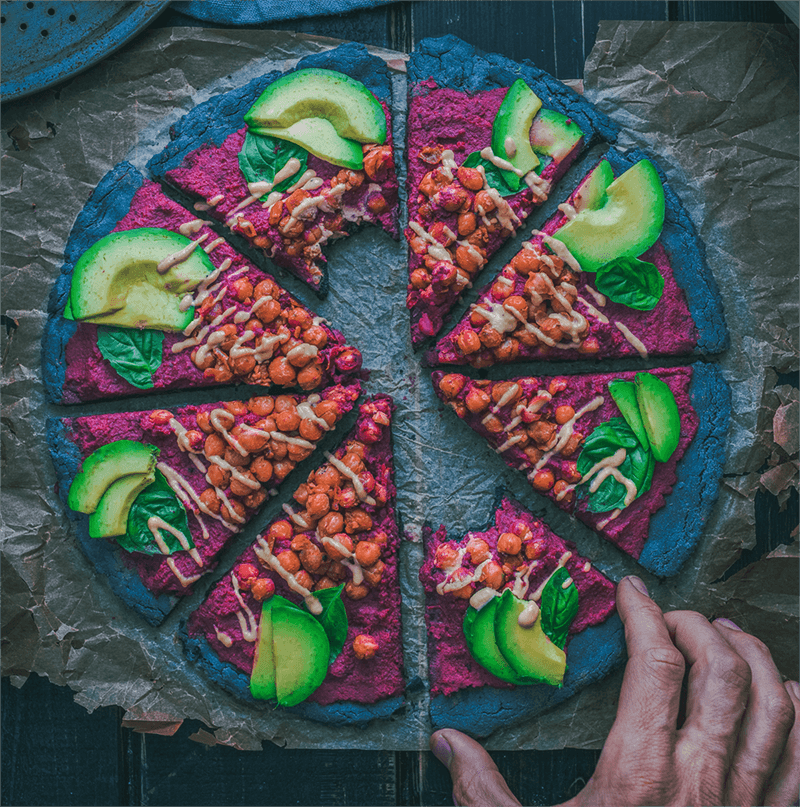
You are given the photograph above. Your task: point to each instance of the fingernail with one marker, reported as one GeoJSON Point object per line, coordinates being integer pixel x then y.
{"type": "Point", "coordinates": [638, 584]}
{"type": "Point", "coordinates": [726, 623]}
{"type": "Point", "coordinates": [794, 688]}
{"type": "Point", "coordinates": [455, 801]}
{"type": "Point", "coordinates": [442, 751]}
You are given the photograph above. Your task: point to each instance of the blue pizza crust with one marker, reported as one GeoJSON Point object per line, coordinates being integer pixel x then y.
{"type": "Point", "coordinates": [453, 63]}
{"type": "Point", "coordinates": [687, 257]}
{"type": "Point", "coordinates": [108, 203]}
{"type": "Point", "coordinates": [676, 529]}
{"type": "Point", "coordinates": [104, 554]}
{"type": "Point", "coordinates": [591, 656]}
{"type": "Point", "coordinates": [237, 683]}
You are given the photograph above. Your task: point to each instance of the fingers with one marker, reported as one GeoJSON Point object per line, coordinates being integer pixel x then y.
{"type": "Point", "coordinates": [476, 780]}
{"type": "Point", "coordinates": [768, 719]}
{"type": "Point", "coordinates": [717, 692]}
{"type": "Point", "coordinates": [785, 781]}
{"type": "Point", "coordinates": [651, 688]}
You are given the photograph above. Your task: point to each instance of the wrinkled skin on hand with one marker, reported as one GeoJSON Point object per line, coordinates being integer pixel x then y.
{"type": "Point", "coordinates": [703, 719]}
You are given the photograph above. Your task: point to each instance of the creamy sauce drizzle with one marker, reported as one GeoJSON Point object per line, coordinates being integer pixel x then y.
{"type": "Point", "coordinates": [264, 553]}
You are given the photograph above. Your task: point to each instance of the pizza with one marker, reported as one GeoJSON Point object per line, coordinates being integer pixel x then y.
{"type": "Point", "coordinates": [211, 318]}
{"type": "Point", "coordinates": [517, 621]}
{"type": "Point", "coordinates": [487, 140]}
{"type": "Point", "coordinates": [646, 290]}
{"type": "Point", "coordinates": [308, 617]}
{"type": "Point", "coordinates": [609, 448]}
{"type": "Point", "coordinates": [156, 495]}
{"type": "Point", "coordinates": [292, 161]}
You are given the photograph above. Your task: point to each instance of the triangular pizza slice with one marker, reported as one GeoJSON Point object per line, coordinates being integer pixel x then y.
{"type": "Point", "coordinates": [293, 160]}
{"type": "Point", "coordinates": [310, 613]}
{"type": "Point", "coordinates": [157, 494]}
{"type": "Point", "coordinates": [617, 271]}
{"type": "Point", "coordinates": [636, 456]}
{"type": "Point", "coordinates": [517, 621]}
{"type": "Point", "coordinates": [487, 140]}
{"type": "Point", "coordinates": [151, 298]}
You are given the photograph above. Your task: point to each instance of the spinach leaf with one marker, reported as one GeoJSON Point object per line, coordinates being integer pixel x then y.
{"type": "Point", "coordinates": [507, 183]}
{"type": "Point", "coordinates": [333, 618]}
{"type": "Point", "coordinates": [558, 608]}
{"type": "Point", "coordinates": [637, 466]}
{"type": "Point", "coordinates": [157, 499]}
{"type": "Point", "coordinates": [135, 354]}
{"type": "Point", "coordinates": [637, 284]}
{"type": "Point", "coordinates": [262, 157]}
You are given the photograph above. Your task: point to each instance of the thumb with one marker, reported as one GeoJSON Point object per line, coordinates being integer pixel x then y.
{"type": "Point", "coordinates": [476, 780]}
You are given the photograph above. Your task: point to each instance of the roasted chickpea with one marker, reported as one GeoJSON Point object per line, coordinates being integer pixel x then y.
{"type": "Point", "coordinates": [355, 592]}
{"type": "Point", "coordinates": [330, 524]}
{"type": "Point", "coordinates": [365, 646]}
{"type": "Point", "coordinates": [477, 400]}
{"type": "Point", "coordinates": [509, 544]}
{"type": "Point", "coordinates": [310, 377]}
{"type": "Point", "coordinates": [289, 560]}
{"type": "Point", "coordinates": [341, 539]}
{"type": "Point", "coordinates": [261, 468]}
{"type": "Point", "coordinates": [468, 342]}
{"type": "Point", "coordinates": [262, 589]}
{"type": "Point", "coordinates": [218, 477]}
{"type": "Point", "coordinates": [215, 445]}
{"type": "Point", "coordinates": [255, 499]}
{"type": "Point", "coordinates": [543, 480]}
{"type": "Point", "coordinates": [525, 262]}
{"type": "Point", "coordinates": [318, 505]}
{"type": "Point", "coordinates": [367, 553]}
{"type": "Point", "coordinates": [493, 576]}
{"type": "Point", "coordinates": [563, 414]}
{"type": "Point", "coordinates": [446, 556]}
{"type": "Point", "coordinates": [235, 513]}
{"type": "Point", "coordinates": [281, 372]}
{"type": "Point", "coordinates": [478, 551]}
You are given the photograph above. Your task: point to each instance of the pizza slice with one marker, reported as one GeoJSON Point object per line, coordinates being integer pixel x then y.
{"type": "Point", "coordinates": [517, 621]}
{"type": "Point", "coordinates": [487, 140]}
{"type": "Point", "coordinates": [150, 298]}
{"type": "Point", "coordinates": [292, 161]}
{"type": "Point", "coordinates": [157, 494]}
{"type": "Point", "coordinates": [617, 271]}
{"type": "Point", "coordinates": [610, 448]}
{"type": "Point", "coordinates": [309, 616]}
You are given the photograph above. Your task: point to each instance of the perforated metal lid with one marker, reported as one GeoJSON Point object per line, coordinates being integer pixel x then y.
{"type": "Point", "coordinates": [46, 42]}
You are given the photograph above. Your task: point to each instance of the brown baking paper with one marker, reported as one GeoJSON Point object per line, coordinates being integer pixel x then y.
{"type": "Point", "coordinates": [61, 621]}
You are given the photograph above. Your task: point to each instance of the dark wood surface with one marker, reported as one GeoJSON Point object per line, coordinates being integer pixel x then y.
{"type": "Point", "coordinates": [55, 753]}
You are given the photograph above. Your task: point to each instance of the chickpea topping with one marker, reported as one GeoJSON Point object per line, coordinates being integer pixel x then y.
{"type": "Point", "coordinates": [534, 549]}
{"type": "Point", "coordinates": [468, 342]}
{"type": "Point", "coordinates": [255, 499]}
{"type": "Point", "coordinates": [317, 505]}
{"type": "Point", "coordinates": [508, 350]}
{"type": "Point", "coordinates": [331, 524]}
{"type": "Point", "coordinates": [478, 551]}
{"type": "Point", "coordinates": [204, 422]}
{"type": "Point", "coordinates": [268, 312]}
{"type": "Point", "coordinates": [542, 432]}
{"type": "Point", "coordinates": [477, 400]}
{"type": "Point", "coordinates": [357, 520]}
{"type": "Point", "coordinates": [215, 445]}
{"type": "Point", "coordinates": [557, 385]}
{"type": "Point", "coordinates": [316, 335]}
{"type": "Point", "coordinates": [465, 592]}
{"type": "Point", "coordinates": [238, 511]}
{"type": "Point", "coordinates": [446, 556]}
{"type": "Point", "coordinates": [373, 574]}
{"type": "Point", "coordinates": [281, 371]}
{"type": "Point", "coordinates": [282, 468]}
{"type": "Point", "coordinates": [304, 579]}
{"type": "Point", "coordinates": [468, 260]}
{"type": "Point", "coordinates": [489, 336]}
{"type": "Point", "coordinates": [365, 646]}
{"type": "Point", "coordinates": [355, 592]}
{"type": "Point", "coordinates": [525, 262]}
{"type": "Point", "coordinates": [367, 553]}
{"type": "Point", "coordinates": [563, 414]}
{"type": "Point", "coordinates": [280, 531]}
{"type": "Point", "coordinates": [493, 576]}
{"type": "Point", "coordinates": [218, 477]}
{"type": "Point", "coordinates": [571, 446]}
{"type": "Point", "coordinates": [289, 560]}
{"type": "Point", "coordinates": [492, 425]}
{"type": "Point", "coordinates": [263, 588]}
{"type": "Point", "coordinates": [233, 457]}
{"type": "Point", "coordinates": [543, 480]}
{"type": "Point", "coordinates": [451, 384]}
{"type": "Point", "coordinates": [247, 574]}
{"type": "Point", "coordinates": [309, 377]}
{"type": "Point", "coordinates": [239, 488]}
{"type": "Point", "coordinates": [470, 178]}
{"type": "Point", "coordinates": [467, 223]}
{"type": "Point", "coordinates": [509, 544]}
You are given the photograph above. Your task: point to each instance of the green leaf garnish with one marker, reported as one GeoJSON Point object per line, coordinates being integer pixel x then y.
{"type": "Point", "coordinates": [262, 157]}
{"type": "Point", "coordinates": [507, 183]}
{"type": "Point", "coordinates": [333, 619]}
{"type": "Point", "coordinates": [134, 354]}
{"type": "Point", "coordinates": [637, 466]}
{"type": "Point", "coordinates": [558, 608]}
{"type": "Point", "coordinates": [157, 499]}
{"type": "Point", "coordinates": [637, 284]}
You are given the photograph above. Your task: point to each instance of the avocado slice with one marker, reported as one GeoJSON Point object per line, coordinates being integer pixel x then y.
{"type": "Point", "coordinates": [319, 136]}
{"type": "Point", "coordinates": [111, 516]}
{"type": "Point", "coordinates": [479, 634]}
{"type": "Point", "coordinates": [628, 224]}
{"type": "Point", "coordinates": [262, 678]}
{"type": "Point", "coordinates": [104, 467]}
{"type": "Point", "coordinates": [660, 415]}
{"type": "Point", "coordinates": [117, 281]}
{"type": "Point", "coordinates": [591, 193]}
{"type": "Point", "coordinates": [553, 134]}
{"type": "Point", "coordinates": [528, 650]}
{"type": "Point", "coordinates": [512, 125]}
{"type": "Point", "coordinates": [353, 111]}
{"type": "Point", "coordinates": [301, 650]}
{"type": "Point", "coordinates": [624, 395]}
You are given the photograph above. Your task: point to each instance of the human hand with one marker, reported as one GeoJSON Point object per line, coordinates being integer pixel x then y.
{"type": "Point", "coordinates": [731, 736]}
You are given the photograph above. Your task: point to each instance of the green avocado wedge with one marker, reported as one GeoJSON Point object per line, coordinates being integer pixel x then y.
{"type": "Point", "coordinates": [482, 645]}
{"type": "Point", "coordinates": [591, 193]}
{"type": "Point", "coordinates": [512, 126]}
{"type": "Point", "coordinates": [105, 466]}
{"type": "Point", "coordinates": [660, 415]}
{"type": "Point", "coordinates": [553, 134]}
{"type": "Point", "coordinates": [262, 677]}
{"type": "Point", "coordinates": [319, 136]}
{"type": "Point", "coordinates": [111, 516]}
{"type": "Point", "coordinates": [624, 395]}
{"type": "Point", "coordinates": [137, 278]}
{"type": "Point", "coordinates": [351, 109]}
{"type": "Point", "coordinates": [627, 224]}
{"type": "Point", "coordinates": [527, 649]}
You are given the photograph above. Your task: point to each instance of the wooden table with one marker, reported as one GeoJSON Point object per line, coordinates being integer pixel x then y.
{"type": "Point", "coordinates": [55, 753]}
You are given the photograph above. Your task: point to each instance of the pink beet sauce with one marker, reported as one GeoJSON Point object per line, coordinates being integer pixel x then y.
{"type": "Point", "coordinates": [377, 614]}
{"type": "Point", "coordinates": [451, 665]}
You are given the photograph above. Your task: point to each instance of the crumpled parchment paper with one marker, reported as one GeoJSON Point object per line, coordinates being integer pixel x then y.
{"type": "Point", "coordinates": [717, 105]}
